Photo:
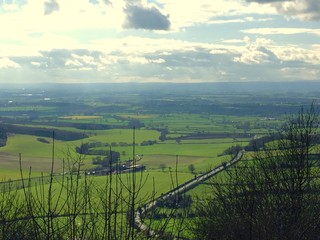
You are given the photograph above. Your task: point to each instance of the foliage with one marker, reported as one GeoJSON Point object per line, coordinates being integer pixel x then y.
{"type": "Point", "coordinates": [107, 161]}
{"type": "Point", "coordinates": [163, 134]}
{"type": "Point", "coordinates": [191, 168]}
{"type": "Point", "coordinates": [274, 196]}
{"type": "Point", "coordinates": [174, 201]}
{"type": "Point", "coordinates": [233, 150]}
{"type": "Point", "coordinates": [44, 132]}
{"type": "Point", "coordinates": [135, 123]}
{"type": "Point", "coordinates": [3, 137]}
{"type": "Point", "coordinates": [162, 166]}
{"type": "Point", "coordinates": [72, 205]}
{"type": "Point", "coordinates": [43, 140]}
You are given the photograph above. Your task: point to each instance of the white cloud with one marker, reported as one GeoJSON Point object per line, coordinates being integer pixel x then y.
{"type": "Point", "coordinates": [294, 53]}
{"type": "Point", "coordinates": [256, 52]}
{"type": "Point", "coordinates": [69, 16]}
{"type": "Point", "coordinates": [188, 13]}
{"type": "Point", "coordinates": [281, 31]}
{"type": "Point", "coordinates": [233, 41]}
{"type": "Point", "coordinates": [7, 63]}
{"type": "Point", "coordinates": [10, 7]}
{"type": "Point", "coordinates": [301, 73]}
{"type": "Point", "coordinates": [239, 20]}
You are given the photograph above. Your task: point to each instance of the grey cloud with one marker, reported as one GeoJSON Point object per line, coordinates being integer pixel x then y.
{"type": "Point", "coordinates": [307, 10]}
{"type": "Point", "coordinates": [107, 2]}
{"type": "Point", "coordinates": [267, 1]}
{"type": "Point", "coordinates": [50, 6]}
{"type": "Point", "coordinates": [140, 17]}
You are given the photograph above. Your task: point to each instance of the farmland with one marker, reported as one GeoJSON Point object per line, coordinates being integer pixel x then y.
{"type": "Point", "coordinates": [196, 123]}
{"type": "Point", "coordinates": [172, 132]}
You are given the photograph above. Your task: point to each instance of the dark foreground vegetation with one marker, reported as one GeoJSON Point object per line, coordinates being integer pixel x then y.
{"type": "Point", "coordinates": [72, 206]}
{"type": "Point", "coordinates": [274, 195]}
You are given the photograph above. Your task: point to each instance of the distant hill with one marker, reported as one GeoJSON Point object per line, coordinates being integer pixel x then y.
{"type": "Point", "coordinates": [288, 86]}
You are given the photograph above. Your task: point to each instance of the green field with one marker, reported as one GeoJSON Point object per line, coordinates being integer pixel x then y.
{"type": "Point", "coordinates": [39, 155]}
{"type": "Point", "coordinates": [168, 131]}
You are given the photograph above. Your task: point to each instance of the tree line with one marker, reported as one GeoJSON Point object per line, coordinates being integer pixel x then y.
{"type": "Point", "coordinates": [43, 132]}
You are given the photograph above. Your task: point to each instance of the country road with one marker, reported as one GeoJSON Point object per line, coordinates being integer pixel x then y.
{"type": "Point", "coordinates": [178, 190]}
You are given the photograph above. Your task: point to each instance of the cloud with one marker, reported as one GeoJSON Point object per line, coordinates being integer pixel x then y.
{"type": "Point", "coordinates": [7, 63]}
{"type": "Point", "coordinates": [145, 17]}
{"type": "Point", "coordinates": [50, 6]}
{"type": "Point", "coordinates": [146, 59]}
{"type": "Point", "coordinates": [238, 20]}
{"type": "Point", "coordinates": [306, 10]}
{"type": "Point", "coordinates": [194, 13]}
{"type": "Point", "coordinates": [301, 73]}
{"type": "Point", "coordinates": [267, 1]}
{"type": "Point", "coordinates": [107, 2]}
{"type": "Point", "coordinates": [256, 52]}
{"type": "Point", "coordinates": [282, 31]}
{"type": "Point", "coordinates": [9, 6]}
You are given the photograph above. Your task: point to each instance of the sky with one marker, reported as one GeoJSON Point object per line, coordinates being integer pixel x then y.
{"type": "Point", "coordinates": [180, 41]}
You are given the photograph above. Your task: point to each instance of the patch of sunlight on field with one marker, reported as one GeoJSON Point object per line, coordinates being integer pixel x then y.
{"type": "Point", "coordinates": [124, 135]}
{"type": "Point", "coordinates": [29, 146]}
{"type": "Point", "coordinates": [35, 154]}
{"type": "Point", "coordinates": [10, 166]}
{"type": "Point", "coordinates": [201, 164]}
{"type": "Point", "coordinates": [162, 181]}
{"type": "Point", "coordinates": [240, 141]}
{"type": "Point", "coordinates": [203, 150]}
{"type": "Point", "coordinates": [204, 189]}
{"type": "Point", "coordinates": [80, 117]}
{"type": "Point", "coordinates": [139, 116]}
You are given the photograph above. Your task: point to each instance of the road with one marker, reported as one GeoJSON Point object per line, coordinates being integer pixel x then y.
{"type": "Point", "coordinates": [180, 189]}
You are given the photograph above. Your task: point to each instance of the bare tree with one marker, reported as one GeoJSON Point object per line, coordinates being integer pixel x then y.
{"type": "Point", "coordinates": [274, 194]}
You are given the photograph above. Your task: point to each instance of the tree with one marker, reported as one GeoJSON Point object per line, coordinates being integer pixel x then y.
{"type": "Point", "coordinates": [162, 166]}
{"type": "Point", "coordinates": [273, 196]}
{"type": "Point", "coordinates": [110, 158]}
{"type": "Point", "coordinates": [3, 137]}
{"type": "Point", "coordinates": [163, 134]}
{"type": "Point", "coordinates": [191, 168]}
{"type": "Point", "coordinates": [233, 150]}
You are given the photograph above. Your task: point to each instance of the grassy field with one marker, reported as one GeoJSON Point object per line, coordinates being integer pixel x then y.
{"type": "Point", "coordinates": [160, 157]}
{"type": "Point", "coordinates": [202, 153]}
{"type": "Point", "coordinates": [195, 129]}
{"type": "Point", "coordinates": [123, 135]}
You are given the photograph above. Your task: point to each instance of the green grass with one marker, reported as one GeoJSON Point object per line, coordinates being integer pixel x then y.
{"type": "Point", "coordinates": [153, 183]}
{"type": "Point", "coordinates": [202, 164]}
{"type": "Point", "coordinates": [124, 135]}
{"type": "Point", "coordinates": [202, 153]}
{"type": "Point", "coordinates": [203, 150]}
{"type": "Point", "coordinates": [34, 154]}
{"type": "Point", "coordinates": [28, 146]}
